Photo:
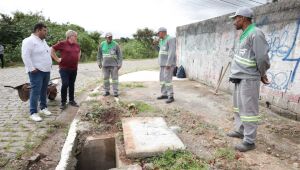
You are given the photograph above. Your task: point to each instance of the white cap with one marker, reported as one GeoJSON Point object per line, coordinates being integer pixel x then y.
{"type": "Point", "coordinates": [162, 29]}
{"type": "Point", "coordinates": [109, 34]}
{"type": "Point", "coordinates": [244, 11]}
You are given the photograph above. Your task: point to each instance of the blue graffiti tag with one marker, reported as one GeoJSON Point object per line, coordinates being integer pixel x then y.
{"type": "Point", "coordinates": [297, 60]}
{"type": "Point", "coordinates": [279, 49]}
{"type": "Point", "coordinates": [278, 81]}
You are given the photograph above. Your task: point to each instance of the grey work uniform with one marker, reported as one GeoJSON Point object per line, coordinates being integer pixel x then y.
{"type": "Point", "coordinates": [110, 57]}
{"type": "Point", "coordinates": [167, 57]}
{"type": "Point", "coordinates": [250, 63]}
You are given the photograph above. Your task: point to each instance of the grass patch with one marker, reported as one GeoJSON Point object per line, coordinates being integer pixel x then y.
{"type": "Point", "coordinates": [132, 85]}
{"type": "Point", "coordinates": [178, 160]}
{"type": "Point", "coordinates": [225, 153]}
{"type": "Point", "coordinates": [94, 94]}
{"type": "Point", "coordinates": [3, 161]}
{"type": "Point", "coordinates": [142, 106]}
{"type": "Point", "coordinates": [29, 146]}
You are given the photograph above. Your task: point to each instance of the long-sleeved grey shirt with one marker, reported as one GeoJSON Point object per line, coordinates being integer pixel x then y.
{"type": "Point", "coordinates": [251, 60]}
{"type": "Point", "coordinates": [109, 54]}
{"type": "Point", "coordinates": [167, 51]}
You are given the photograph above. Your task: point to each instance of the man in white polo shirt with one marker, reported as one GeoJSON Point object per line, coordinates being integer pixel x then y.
{"type": "Point", "coordinates": [37, 60]}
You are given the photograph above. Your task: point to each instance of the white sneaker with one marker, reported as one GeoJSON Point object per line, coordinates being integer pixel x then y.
{"type": "Point", "coordinates": [35, 117]}
{"type": "Point", "coordinates": [46, 112]}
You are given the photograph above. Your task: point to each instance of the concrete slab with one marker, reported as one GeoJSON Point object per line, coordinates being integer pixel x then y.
{"type": "Point", "coordinates": [142, 76]}
{"type": "Point", "coordinates": [129, 167]}
{"type": "Point", "coordinates": [148, 136]}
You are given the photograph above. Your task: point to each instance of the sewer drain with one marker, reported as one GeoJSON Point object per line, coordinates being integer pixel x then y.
{"type": "Point", "coordinates": [98, 154]}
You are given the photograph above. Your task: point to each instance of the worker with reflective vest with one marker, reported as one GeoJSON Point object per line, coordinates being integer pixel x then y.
{"type": "Point", "coordinates": [249, 67]}
{"type": "Point", "coordinates": [167, 62]}
{"type": "Point", "coordinates": [109, 58]}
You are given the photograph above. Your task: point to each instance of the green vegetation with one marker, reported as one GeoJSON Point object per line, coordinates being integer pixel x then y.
{"type": "Point", "coordinates": [13, 29]}
{"type": "Point", "coordinates": [143, 107]}
{"type": "Point", "coordinates": [225, 153]}
{"type": "Point", "coordinates": [132, 85]}
{"type": "Point", "coordinates": [178, 160]}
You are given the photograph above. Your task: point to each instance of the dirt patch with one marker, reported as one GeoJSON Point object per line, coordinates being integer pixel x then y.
{"type": "Point", "coordinates": [205, 119]}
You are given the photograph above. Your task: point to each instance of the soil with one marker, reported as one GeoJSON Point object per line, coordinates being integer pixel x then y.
{"type": "Point", "coordinates": [204, 119]}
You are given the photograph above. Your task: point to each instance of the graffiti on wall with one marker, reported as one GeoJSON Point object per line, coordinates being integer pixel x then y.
{"type": "Point", "coordinates": [280, 48]}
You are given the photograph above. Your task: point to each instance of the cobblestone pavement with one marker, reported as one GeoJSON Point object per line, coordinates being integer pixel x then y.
{"type": "Point", "coordinates": [17, 131]}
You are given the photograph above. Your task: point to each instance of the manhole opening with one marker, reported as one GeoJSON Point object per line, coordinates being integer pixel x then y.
{"type": "Point", "coordinates": [98, 154]}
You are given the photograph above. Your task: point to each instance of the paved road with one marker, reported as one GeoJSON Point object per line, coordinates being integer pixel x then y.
{"type": "Point", "coordinates": [17, 131]}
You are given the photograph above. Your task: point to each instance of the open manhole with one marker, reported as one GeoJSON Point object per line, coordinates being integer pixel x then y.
{"type": "Point", "coordinates": [98, 154]}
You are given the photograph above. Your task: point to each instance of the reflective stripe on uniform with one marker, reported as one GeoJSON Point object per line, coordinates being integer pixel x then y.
{"type": "Point", "coordinates": [109, 55]}
{"type": "Point", "coordinates": [168, 84]}
{"type": "Point", "coordinates": [114, 81]}
{"type": "Point", "coordinates": [106, 81]}
{"type": "Point", "coordinates": [250, 118]}
{"type": "Point", "coordinates": [247, 62]}
{"type": "Point", "coordinates": [162, 83]}
{"type": "Point", "coordinates": [161, 52]}
{"type": "Point", "coordinates": [236, 110]}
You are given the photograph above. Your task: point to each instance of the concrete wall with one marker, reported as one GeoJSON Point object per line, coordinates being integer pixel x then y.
{"type": "Point", "coordinates": [205, 47]}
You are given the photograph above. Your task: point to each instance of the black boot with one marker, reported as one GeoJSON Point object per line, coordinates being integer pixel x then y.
{"type": "Point", "coordinates": [73, 103]}
{"type": "Point", "coordinates": [106, 94]}
{"type": "Point", "coordinates": [63, 106]}
{"type": "Point", "coordinates": [170, 100]}
{"type": "Point", "coordinates": [235, 134]}
{"type": "Point", "coordinates": [162, 97]}
{"type": "Point", "coordinates": [245, 146]}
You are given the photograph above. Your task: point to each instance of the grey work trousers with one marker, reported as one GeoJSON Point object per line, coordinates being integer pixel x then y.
{"type": "Point", "coordinates": [110, 71]}
{"type": "Point", "coordinates": [245, 101]}
{"type": "Point", "coordinates": [165, 78]}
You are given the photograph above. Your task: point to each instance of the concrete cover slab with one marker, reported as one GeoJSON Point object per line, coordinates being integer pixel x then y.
{"type": "Point", "coordinates": [148, 136]}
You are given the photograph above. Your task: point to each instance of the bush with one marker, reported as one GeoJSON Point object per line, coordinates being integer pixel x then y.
{"type": "Point", "coordinates": [135, 50]}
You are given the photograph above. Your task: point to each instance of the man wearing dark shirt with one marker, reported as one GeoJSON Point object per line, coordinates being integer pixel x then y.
{"type": "Point", "coordinates": [68, 62]}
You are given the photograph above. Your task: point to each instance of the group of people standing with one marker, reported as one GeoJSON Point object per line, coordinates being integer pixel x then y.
{"type": "Point", "coordinates": [36, 55]}
{"type": "Point", "coordinates": [249, 67]}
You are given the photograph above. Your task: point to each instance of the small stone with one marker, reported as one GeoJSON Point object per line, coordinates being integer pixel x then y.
{"type": "Point", "coordinates": [296, 165]}
{"type": "Point", "coordinates": [176, 129]}
{"type": "Point", "coordinates": [219, 165]}
{"type": "Point", "coordinates": [294, 158]}
{"type": "Point", "coordinates": [269, 150]}
{"type": "Point", "coordinates": [148, 166]}
{"type": "Point", "coordinates": [34, 158]}
{"type": "Point", "coordinates": [277, 155]}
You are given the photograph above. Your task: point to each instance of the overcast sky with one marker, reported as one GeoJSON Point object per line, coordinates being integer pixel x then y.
{"type": "Point", "coordinates": [124, 17]}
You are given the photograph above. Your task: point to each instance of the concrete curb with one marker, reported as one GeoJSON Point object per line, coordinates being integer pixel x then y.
{"type": "Point", "coordinates": [67, 161]}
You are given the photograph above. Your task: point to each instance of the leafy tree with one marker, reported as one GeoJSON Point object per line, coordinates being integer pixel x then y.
{"type": "Point", "coordinates": [145, 37]}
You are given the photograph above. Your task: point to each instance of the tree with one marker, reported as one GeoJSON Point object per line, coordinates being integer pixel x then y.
{"type": "Point", "coordinates": [145, 37]}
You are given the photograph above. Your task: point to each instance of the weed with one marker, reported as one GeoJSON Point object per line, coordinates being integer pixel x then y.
{"type": "Point", "coordinates": [3, 161]}
{"type": "Point", "coordinates": [226, 153]}
{"type": "Point", "coordinates": [28, 146]}
{"type": "Point", "coordinates": [178, 160]}
{"type": "Point", "coordinates": [143, 107]}
{"type": "Point", "coordinates": [19, 154]}
{"type": "Point", "coordinates": [94, 94]}
{"type": "Point", "coordinates": [132, 85]}
{"type": "Point", "coordinates": [7, 146]}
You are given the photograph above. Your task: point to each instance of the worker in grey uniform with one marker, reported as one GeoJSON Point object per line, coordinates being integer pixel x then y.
{"type": "Point", "coordinates": [109, 58]}
{"type": "Point", "coordinates": [249, 66]}
{"type": "Point", "coordinates": [167, 62]}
